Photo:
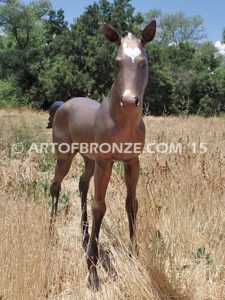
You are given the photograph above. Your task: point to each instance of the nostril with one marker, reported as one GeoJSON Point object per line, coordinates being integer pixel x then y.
{"type": "Point", "coordinates": [121, 101]}
{"type": "Point", "coordinates": [137, 101]}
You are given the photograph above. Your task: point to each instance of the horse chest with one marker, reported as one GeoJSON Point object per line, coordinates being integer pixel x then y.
{"type": "Point", "coordinates": [120, 144]}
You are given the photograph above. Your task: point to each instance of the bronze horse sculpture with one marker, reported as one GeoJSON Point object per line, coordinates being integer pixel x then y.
{"type": "Point", "coordinates": [118, 119]}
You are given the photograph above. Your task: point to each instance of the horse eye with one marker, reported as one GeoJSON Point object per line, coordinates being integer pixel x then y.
{"type": "Point", "coordinates": [118, 63]}
{"type": "Point", "coordinates": [143, 64]}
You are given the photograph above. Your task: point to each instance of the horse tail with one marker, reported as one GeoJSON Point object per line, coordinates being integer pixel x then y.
{"type": "Point", "coordinates": [52, 110]}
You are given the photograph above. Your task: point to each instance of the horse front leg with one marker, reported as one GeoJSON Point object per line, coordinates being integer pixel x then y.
{"type": "Point", "coordinates": [102, 174]}
{"type": "Point", "coordinates": [131, 178]}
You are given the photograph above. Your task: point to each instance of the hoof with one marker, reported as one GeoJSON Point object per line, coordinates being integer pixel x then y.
{"type": "Point", "coordinates": [93, 282]}
{"type": "Point", "coordinates": [133, 250]}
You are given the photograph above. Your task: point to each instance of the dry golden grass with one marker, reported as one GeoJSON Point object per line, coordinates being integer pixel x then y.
{"type": "Point", "coordinates": [181, 218]}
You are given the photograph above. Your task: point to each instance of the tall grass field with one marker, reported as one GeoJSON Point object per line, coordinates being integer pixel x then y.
{"type": "Point", "coordinates": [181, 217]}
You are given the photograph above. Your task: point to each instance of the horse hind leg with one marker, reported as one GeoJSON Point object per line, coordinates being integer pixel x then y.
{"type": "Point", "coordinates": [61, 170]}
{"type": "Point", "coordinates": [84, 181]}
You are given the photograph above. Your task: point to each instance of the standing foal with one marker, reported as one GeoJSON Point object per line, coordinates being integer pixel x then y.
{"type": "Point", "coordinates": [117, 120]}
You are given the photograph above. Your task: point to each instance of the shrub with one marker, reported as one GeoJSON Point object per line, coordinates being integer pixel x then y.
{"type": "Point", "coordinates": [10, 94]}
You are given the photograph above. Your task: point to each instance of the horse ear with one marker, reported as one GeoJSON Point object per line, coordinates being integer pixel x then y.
{"type": "Point", "coordinates": [148, 33]}
{"type": "Point", "coordinates": [111, 34]}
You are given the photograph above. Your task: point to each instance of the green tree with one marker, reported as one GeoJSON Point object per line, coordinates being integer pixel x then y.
{"type": "Point", "coordinates": [185, 79]}
{"type": "Point", "coordinates": [83, 51]}
{"type": "Point", "coordinates": [42, 58]}
{"type": "Point", "coordinates": [177, 27]}
{"type": "Point", "coordinates": [22, 41]}
{"type": "Point", "coordinates": [19, 20]}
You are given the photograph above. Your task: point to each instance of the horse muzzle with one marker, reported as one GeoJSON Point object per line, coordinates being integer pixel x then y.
{"type": "Point", "coordinates": [127, 100]}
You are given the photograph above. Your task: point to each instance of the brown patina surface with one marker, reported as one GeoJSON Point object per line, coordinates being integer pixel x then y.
{"type": "Point", "coordinates": [117, 120]}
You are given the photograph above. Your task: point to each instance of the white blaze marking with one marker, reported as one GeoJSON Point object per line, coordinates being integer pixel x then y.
{"type": "Point", "coordinates": [132, 52]}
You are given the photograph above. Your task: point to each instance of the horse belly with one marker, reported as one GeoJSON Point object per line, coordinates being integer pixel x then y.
{"type": "Point", "coordinates": [81, 123]}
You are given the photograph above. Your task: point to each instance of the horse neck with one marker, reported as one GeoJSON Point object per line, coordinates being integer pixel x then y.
{"type": "Point", "coordinates": [120, 115]}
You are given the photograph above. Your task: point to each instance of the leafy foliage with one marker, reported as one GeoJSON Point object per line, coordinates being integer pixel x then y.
{"type": "Point", "coordinates": [43, 58]}
{"type": "Point", "coordinates": [9, 93]}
